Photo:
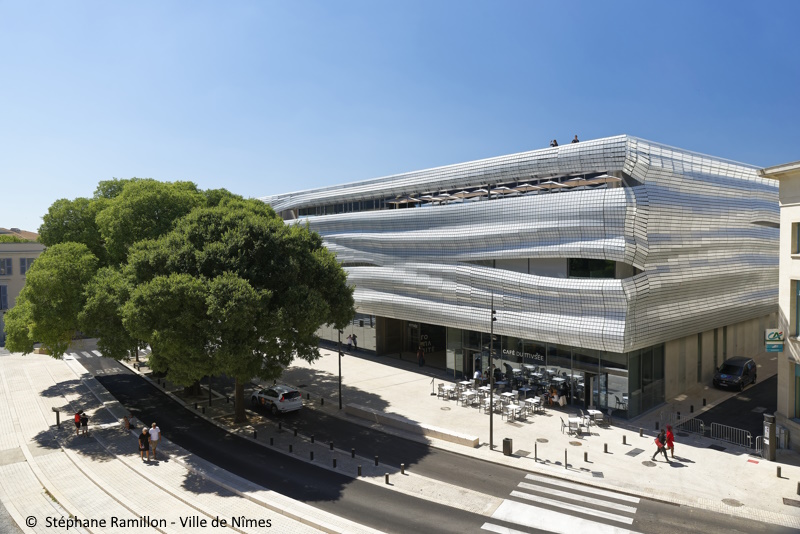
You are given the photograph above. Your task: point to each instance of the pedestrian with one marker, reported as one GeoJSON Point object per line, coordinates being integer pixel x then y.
{"type": "Point", "coordinates": [661, 441]}
{"type": "Point", "coordinates": [420, 356]}
{"type": "Point", "coordinates": [144, 444]}
{"type": "Point", "coordinates": [553, 143]}
{"type": "Point", "coordinates": [155, 437]}
{"type": "Point", "coordinates": [478, 377]}
{"type": "Point", "coordinates": [670, 441]}
{"type": "Point", "coordinates": [355, 341]}
{"type": "Point", "coordinates": [349, 342]}
{"type": "Point", "coordinates": [84, 423]}
{"type": "Point", "coordinates": [77, 422]}
{"type": "Point", "coordinates": [575, 139]}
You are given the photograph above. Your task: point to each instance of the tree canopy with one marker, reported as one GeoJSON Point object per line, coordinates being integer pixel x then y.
{"type": "Point", "coordinates": [216, 284]}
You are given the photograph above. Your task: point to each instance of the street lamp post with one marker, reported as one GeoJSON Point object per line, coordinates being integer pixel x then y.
{"type": "Point", "coordinates": [341, 355]}
{"type": "Point", "coordinates": [491, 375]}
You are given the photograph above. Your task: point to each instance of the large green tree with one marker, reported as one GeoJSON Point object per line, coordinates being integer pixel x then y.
{"type": "Point", "coordinates": [269, 287]}
{"type": "Point", "coordinates": [48, 306]}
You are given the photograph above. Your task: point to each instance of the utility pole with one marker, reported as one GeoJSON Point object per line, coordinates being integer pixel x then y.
{"type": "Point", "coordinates": [340, 369]}
{"type": "Point", "coordinates": [491, 375]}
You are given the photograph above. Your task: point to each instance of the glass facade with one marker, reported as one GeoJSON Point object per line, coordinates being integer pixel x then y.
{"type": "Point", "coordinates": [627, 384]}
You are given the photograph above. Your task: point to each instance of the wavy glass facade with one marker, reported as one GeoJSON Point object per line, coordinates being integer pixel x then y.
{"type": "Point", "coordinates": [616, 246]}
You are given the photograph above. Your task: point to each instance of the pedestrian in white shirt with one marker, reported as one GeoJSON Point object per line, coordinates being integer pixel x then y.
{"type": "Point", "coordinates": [155, 437]}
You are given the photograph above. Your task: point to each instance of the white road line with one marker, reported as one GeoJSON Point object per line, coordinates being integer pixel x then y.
{"type": "Point", "coordinates": [551, 521]}
{"type": "Point", "coordinates": [581, 487]}
{"type": "Point", "coordinates": [88, 354]}
{"type": "Point", "coordinates": [97, 353]}
{"type": "Point", "coordinates": [573, 507]}
{"type": "Point", "coordinates": [575, 497]}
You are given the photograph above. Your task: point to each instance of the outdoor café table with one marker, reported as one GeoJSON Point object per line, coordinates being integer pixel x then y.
{"type": "Point", "coordinates": [524, 390]}
{"type": "Point", "coordinates": [511, 411]}
{"type": "Point", "coordinates": [533, 404]}
{"type": "Point", "coordinates": [537, 375]}
{"type": "Point", "coordinates": [528, 366]}
{"type": "Point", "coordinates": [468, 395]}
{"type": "Point", "coordinates": [466, 382]}
{"type": "Point", "coordinates": [501, 383]}
{"type": "Point", "coordinates": [507, 395]}
{"type": "Point", "coordinates": [558, 379]}
{"type": "Point", "coordinates": [449, 388]}
{"type": "Point", "coordinates": [596, 415]}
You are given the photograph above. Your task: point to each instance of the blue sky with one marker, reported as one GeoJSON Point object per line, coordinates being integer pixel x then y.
{"type": "Point", "coordinates": [265, 97]}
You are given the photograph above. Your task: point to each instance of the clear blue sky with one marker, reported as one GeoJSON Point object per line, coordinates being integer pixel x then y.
{"type": "Point", "coordinates": [265, 97]}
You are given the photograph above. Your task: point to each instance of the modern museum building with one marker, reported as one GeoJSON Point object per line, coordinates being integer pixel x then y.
{"type": "Point", "coordinates": [621, 270]}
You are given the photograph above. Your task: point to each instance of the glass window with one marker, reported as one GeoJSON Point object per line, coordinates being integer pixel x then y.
{"type": "Point", "coordinates": [25, 265]}
{"type": "Point", "coordinates": [5, 266]}
{"type": "Point", "coordinates": [590, 268]}
{"type": "Point", "coordinates": [3, 297]}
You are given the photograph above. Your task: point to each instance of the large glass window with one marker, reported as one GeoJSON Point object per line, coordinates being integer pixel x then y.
{"type": "Point", "coordinates": [5, 266]}
{"type": "Point", "coordinates": [3, 297]}
{"type": "Point", "coordinates": [590, 268]}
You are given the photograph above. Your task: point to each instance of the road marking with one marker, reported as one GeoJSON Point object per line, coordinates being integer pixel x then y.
{"type": "Point", "coordinates": [581, 487]}
{"type": "Point", "coordinates": [551, 521]}
{"type": "Point", "coordinates": [500, 530]}
{"type": "Point", "coordinates": [87, 354]}
{"type": "Point", "coordinates": [574, 507]}
{"type": "Point", "coordinates": [97, 353]}
{"type": "Point", "coordinates": [582, 498]}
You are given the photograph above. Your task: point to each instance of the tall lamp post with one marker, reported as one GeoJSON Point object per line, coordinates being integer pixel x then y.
{"type": "Point", "coordinates": [491, 375]}
{"type": "Point", "coordinates": [341, 355]}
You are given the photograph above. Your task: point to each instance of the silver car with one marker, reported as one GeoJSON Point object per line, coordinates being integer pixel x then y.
{"type": "Point", "coordinates": [279, 399]}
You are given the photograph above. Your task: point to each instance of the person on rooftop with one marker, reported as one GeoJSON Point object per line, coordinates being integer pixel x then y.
{"type": "Point", "coordinates": [553, 143]}
{"type": "Point", "coordinates": [575, 139]}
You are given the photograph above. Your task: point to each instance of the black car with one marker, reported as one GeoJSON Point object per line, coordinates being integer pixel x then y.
{"type": "Point", "coordinates": [736, 373]}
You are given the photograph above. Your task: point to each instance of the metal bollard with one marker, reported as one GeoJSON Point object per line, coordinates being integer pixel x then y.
{"type": "Point", "coordinates": [290, 447]}
{"type": "Point", "coordinates": [195, 405]}
{"type": "Point", "coordinates": [535, 452]}
{"type": "Point", "coordinates": [308, 396]}
{"type": "Point", "coordinates": [280, 425]}
{"type": "Point", "coordinates": [798, 488]}
{"type": "Point", "coordinates": [312, 438]}
{"type": "Point", "coordinates": [295, 432]}
{"type": "Point", "coordinates": [704, 401]}
{"type": "Point", "coordinates": [359, 470]}
{"type": "Point", "coordinates": [321, 401]}
{"type": "Point", "coordinates": [311, 453]}
{"type": "Point", "coordinates": [376, 460]}
{"type": "Point", "coordinates": [402, 469]}
{"type": "Point", "coordinates": [641, 432]}
{"type": "Point", "coordinates": [227, 399]}
{"type": "Point", "coordinates": [656, 425]}
{"type": "Point", "coordinates": [779, 471]}
{"type": "Point", "coordinates": [352, 453]}
{"type": "Point", "coordinates": [605, 448]}
{"type": "Point", "coordinates": [585, 456]}
{"type": "Point", "coordinates": [691, 408]}
{"type": "Point", "coordinates": [331, 445]}
{"type": "Point", "coordinates": [203, 409]}
{"type": "Point", "coordinates": [565, 458]}
{"type": "Point", "coordinates": [623, 440]}
{"type": "Point", "coordinates": [387, 478]}
{"type": "Point", "coordinates": [271, 442]}
{"type": "Point", "coordinates": [255, 434]}
{"type": "Point", "coordinates": [679, 416]}
{"type": "Point", "coordinates": [334, 463]}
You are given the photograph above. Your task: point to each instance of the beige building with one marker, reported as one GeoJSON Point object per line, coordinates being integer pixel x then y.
{"type": "Point", "coordinates": [788, 413]}
{"type": "Point", "coordinates": [15, 260]}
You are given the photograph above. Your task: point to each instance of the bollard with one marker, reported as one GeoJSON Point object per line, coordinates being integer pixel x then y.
{"type": "Point", "coordinates": [565, 458]}
{"type": "Point", "coordinates": [387, 478]}
{"type": "Point", "coordinates": [656, 425]}
{"type": "Point", "coordinates": [376, 460]}
{"type": "Point", "coordinates": [535, 452]}
{"type": "Point", "coordinates": [605, 448]}
{"type": "Point", "coordinates": [402, 469]}
{"type": "Point", "coordinates": [271, 442]}
{"type": "Point", "coordinates": [295, 432]}
{"type": "Point", "coordinates": [679, 416]}
{"type": "Point", "coordinates": [623, 440]}
{"type": "Point", "coordinates": [227, 399]}
{"type": "Point", "coordinates": [311, 457]}
{"type": "Point", "coordinates": [691, 408]}
{"type": "Point", "coordinates": [280, 425]}
{"type": "Point", "coordinates": [290, 447]}
{"type": "Point", "coordinates": [352, 453]}
{"type": "Point", "coordinates": [308, 396]}
{"type": "Point", "coordinates": [359, 470]}
{"type": "Point", "coordinates": [704, 401]}
{"type": "Point", "coordinates": [312, 438]}
{"type": "Point", "coordinates": [203, 408]}
{"type": "Point", "coordinates": [255, 434]}
{"type": "Point", "coordinates": [641, 432]}
{"type": "Point", "coordinates": [779, 471]}
{"type": "Point", "coordinates": [585, 456]}
{"type": "Point", "coordinates": [798, 488]}
{"type": "Point", "coordinates": [321, 401]}
{"type": "Point", "coordinates": [334, 463]}
{"type": "Point", "coordinates": [195, 405]}
{"type": "Point", "coordinates": [331, 445]}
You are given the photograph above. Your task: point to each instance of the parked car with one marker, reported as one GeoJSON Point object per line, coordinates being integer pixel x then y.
{"type": "Point", "coordinates": [278, 399]}
{"type": "Point", "coordinates": [736, 373]}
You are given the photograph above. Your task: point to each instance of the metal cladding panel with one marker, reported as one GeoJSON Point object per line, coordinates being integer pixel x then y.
{"type": "Point", "coordinates": [702, 230]}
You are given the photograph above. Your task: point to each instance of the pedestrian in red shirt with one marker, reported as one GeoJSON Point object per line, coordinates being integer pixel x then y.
{"type": "Point", "coordinates": [670, 441]}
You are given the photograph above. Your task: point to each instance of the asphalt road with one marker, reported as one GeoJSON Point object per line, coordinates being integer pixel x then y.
{"type": "Point", "coordinates": [746, 409]}
{"type": "Point", "coordinates": [375, 506]}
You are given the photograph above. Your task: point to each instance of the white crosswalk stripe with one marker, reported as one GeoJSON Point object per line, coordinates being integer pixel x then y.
{"type": "Point", "coordinates": [594, 510]}
{"type": "Point", "coordinates": [97, 353]}
{"type": "Point", "coordinates": [87, 354]}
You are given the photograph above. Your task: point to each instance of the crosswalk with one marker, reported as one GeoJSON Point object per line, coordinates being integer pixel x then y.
{"type": "Point", "coordinates": [559, 506]}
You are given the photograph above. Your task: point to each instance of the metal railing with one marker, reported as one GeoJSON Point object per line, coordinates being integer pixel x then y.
{"type": "Point", "coordinates": [760, 445]}
{"type": "Point", "coordinates": [695, 426]}
{"type": "Point", "coordinates": [729, 434]}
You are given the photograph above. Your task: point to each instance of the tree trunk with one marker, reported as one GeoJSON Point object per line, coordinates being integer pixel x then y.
{"type": "Point", "coordinates": [240, 416]}
{"type": "Point", "coordinates": [193, 390]}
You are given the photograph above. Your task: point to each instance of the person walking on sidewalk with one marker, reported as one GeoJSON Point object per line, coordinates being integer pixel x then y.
{"type": "Point", "coordinates": [84, 424]}
{"type": "Point", "coordinates": [349, 342]}
{"type": "Point", "coordinates": [670, 437]}
{"type": "Point", "coordinates": [155, 437]}
{"type": "Point", "coordinates": [77, 422]}
{"type": "Point", "coordinates": [144, 444]}
{"type": "Point", "coordinates": [420, 356]}
{"type": "Point", "coordinates": [355, 342]}
{"type": "Point", "coordinates": [661, 441]}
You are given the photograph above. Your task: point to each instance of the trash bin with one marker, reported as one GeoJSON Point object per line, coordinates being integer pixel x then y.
{"type": "Point", "coordinates": [507, 446]}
